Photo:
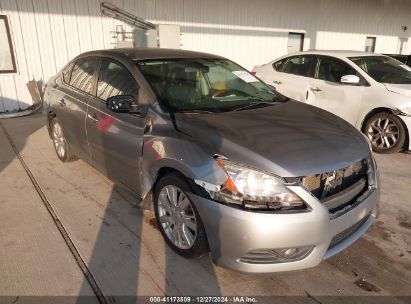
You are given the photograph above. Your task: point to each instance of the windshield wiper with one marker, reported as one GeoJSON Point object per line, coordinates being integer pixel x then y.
{"type": "Point", "coordinates": [195, 111]}
{"type": "Point", "coordinates": [256, 104]}
{"type": "Point", "coordinates": [275, 99]}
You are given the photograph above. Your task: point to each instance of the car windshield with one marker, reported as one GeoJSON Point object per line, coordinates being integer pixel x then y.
{"type": "Point", "coordinates": [206, 85]}
{"type": "Point", "coordinates": [384, 69]}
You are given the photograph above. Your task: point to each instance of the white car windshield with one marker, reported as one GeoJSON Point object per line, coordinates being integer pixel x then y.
{"type": "Point", "coordinates": [384, 69]}
{"type": "Point", "coordinates": [210, 85]}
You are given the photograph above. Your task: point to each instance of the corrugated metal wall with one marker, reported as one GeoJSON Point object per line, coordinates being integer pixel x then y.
{"type": "Point", "coordinates": [48, 33]}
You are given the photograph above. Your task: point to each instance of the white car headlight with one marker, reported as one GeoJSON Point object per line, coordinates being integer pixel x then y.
{"type": "Point", "coordinates": [254, 189]}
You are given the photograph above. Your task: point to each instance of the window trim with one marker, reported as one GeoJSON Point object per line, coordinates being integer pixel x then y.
{"type": "Point", "coordinates": [97, 75]}
{"type": "Point", "coordinates": [11, 48]}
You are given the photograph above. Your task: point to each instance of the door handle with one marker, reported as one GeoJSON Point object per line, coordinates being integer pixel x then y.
{"type": "Point", "coordinates": [277, 82]}
{"type": "Point", "coordinates": [62, 102]}
{"type": "Point", "coordinates": [149, 125]}
{"type": "Point", "coordinates": [93, 117]}
{"type": "Point", "coordinates": [316, 89]}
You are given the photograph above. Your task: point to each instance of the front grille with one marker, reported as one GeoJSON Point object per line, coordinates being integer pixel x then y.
{"type": "Point", "coordinates": [345, 234]}
{"type": "Point", "coordinates": [318, 186]}
{"type": "Point", "coordinates": [329, 186]}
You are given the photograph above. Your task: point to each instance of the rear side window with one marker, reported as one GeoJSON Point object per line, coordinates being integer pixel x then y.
{"type": "Point", "coordinates": [332, 69]}
{"type": "Point", "coordinates": [114, 79]}
{"type": "Point", "coordinates": [83, 74]}
{"type": "Point", "coordinates": [299, 65]}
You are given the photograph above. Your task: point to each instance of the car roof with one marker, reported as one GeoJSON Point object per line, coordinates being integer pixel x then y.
{"type": "Point", "coordinates": [150, 53]}
{"type": "Point", "coordinates": [336, 53]}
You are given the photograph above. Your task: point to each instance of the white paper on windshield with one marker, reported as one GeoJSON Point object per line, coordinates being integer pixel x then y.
{"type": "Point", "coordinates": [244, 75]}
{"type": "Point", "coordinates": [405, 67]}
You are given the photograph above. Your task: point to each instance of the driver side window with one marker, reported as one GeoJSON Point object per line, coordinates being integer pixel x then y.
{"type": "Point", "coordinates": [331, 69]}
{"type": "Point", "coordinates": [114, 79]}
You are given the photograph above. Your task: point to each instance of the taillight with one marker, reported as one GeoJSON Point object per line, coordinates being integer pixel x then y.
{"type": "Point", "coordinates": [253, 73]}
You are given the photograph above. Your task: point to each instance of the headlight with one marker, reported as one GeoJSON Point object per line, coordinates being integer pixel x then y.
{"type": "Point", "coordinates": [254, 189]}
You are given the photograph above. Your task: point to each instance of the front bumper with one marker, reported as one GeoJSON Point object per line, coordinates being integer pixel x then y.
{"type": "Point", "coordinates": [232, 233]}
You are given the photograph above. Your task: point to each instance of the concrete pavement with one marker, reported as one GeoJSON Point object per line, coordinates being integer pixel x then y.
{"type": "Point", "coordinates": [34, 258]}
{"type": "Point", "coordinates": [126, 254]}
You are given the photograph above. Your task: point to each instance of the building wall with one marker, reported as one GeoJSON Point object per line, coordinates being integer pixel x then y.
{"type": "Point", "coordinates": [46, 34]}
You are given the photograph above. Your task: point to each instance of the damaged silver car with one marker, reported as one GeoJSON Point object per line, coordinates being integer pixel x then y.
{"type": "Point", "coordinates": [263, 182]}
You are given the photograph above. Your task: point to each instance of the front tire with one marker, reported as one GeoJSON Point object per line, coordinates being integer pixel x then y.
{"type": "Point", "coordinates": [177, 218]}
{"type": "Point", "coordinates": [60, 143]}
{"type": "Point", "coordinates": [386, 133]}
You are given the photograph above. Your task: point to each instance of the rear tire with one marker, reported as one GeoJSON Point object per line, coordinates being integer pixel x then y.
{"type": "Point", "coordinates": [60, 143]}
{"type": "Point", "coordinates": [177, 218]}
{"type": "Point", "coordinates": [386, 133]}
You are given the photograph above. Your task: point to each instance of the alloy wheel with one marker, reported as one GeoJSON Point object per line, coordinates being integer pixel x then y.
{"type": "Point", "coordinates": [58, 140]}
{"type": "Point", "coordinates": [177, 217]}
{"type": "Point", "coordinates": [383, 133]}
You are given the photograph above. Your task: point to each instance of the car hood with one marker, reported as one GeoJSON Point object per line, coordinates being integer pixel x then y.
{"type": "Point", "coordinates": [288, 139]}
{"type": "Point", "coordinates": [403, 89]}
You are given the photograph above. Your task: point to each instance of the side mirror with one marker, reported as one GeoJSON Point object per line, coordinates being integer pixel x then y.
{"type": "Point", "coordinates": [350, 79]}
{"type": "Point", "coordinates": [123, 104]}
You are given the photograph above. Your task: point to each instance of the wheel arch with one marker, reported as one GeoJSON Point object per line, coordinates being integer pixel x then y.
{"type": "Point", "coordinates": [166, 170]}
{"type": "Point", "coordinates": [373, 112]}
{"type": "Point", "coordinates": [395, 112]}
{"type": "Point", "coordinates": [184, 157]}
{"type": "Point", "coordinates": [156, 175]}
{"type": "Point", "coordinates": [51, 114]}
{"type": "Point", "coordinates": [167, 167]}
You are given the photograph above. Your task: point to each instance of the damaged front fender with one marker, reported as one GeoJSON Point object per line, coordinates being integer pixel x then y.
{"type": "Point", "coordinates": [166, 148]}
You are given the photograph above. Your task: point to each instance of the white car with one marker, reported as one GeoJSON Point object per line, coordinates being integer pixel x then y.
{"type": "Point", "coordinates": [371, 91]}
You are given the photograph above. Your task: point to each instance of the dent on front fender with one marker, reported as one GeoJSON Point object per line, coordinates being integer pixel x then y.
{"type": "Point", "coordinates": [180, 154]}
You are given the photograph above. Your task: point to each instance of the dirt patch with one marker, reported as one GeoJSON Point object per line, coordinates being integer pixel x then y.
{"type": "Point", "coordinates": [366, 260]}
{"type": "Point", "coordinates": [404, 221]}
{"type": "Point", "coordinates": [363, 284]}
{"type": "Point", "coordinates": [381, 231]}
{"type": "Point", "coordinates": [152, 222]}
